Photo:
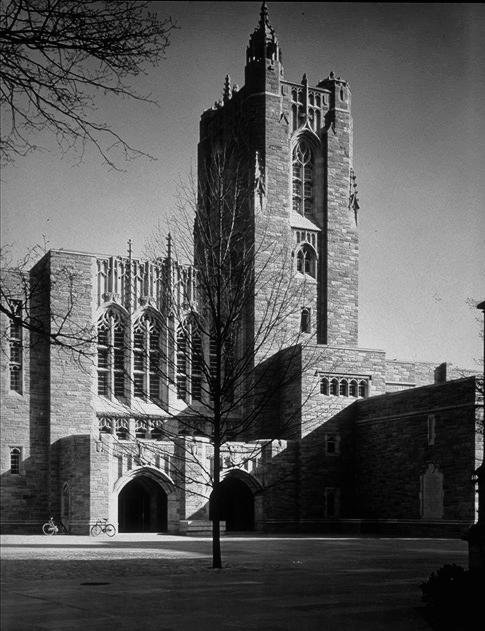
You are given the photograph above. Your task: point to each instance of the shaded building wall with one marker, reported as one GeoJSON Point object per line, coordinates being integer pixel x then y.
{"type": "Point", "coordinates": [403, 472]}
{"type": "Point", "coordinates": [72, 383]}
{"type": "Point", "coordinates": [24, 415]}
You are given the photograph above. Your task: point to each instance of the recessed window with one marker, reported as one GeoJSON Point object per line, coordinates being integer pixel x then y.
{"type": "Point", "coordinates": [197, 367]}
{"type": "Point", "coordinates": [305, 322]}
{"type": "Point", "coordinates": [140, 429]}
{"type": "Point", "coordinates": [16, 348]}
{"type": "Point", "coordinates": [121, 429]}
{"type": "Point", "coordinates": [15, 460]}
{"type": "Point", "coordinates": [181, 377]}
{"type": "Point", "coordinates": [105, 426]}
{"type": "Point", "coordinates": [111, 354]}
{"type": "Point", "coordinates": [306, 261]}
{"type": "Point", "coordinates": [344, 387]}
{"type": "Point", "coordinates": [303, 174]}
{"type": "Point", "coordinates": [146, 357]}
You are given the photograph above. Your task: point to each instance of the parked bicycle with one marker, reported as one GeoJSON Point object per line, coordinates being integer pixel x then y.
{"type": "Point", "coordinates": [102, 526]}
{"type": "Point", "coordinates": [51, 528]}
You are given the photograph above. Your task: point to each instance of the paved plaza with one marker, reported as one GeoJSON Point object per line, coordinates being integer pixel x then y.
{"type": "Point", "coordinates": [269, 583]}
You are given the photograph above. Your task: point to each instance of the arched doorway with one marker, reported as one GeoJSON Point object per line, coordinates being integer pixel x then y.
{"type": "Point", "coordinates": [236, 504]}
{"type": "Point", "coordinates": [142, 506]}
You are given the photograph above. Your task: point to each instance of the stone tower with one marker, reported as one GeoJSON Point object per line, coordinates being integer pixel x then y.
{"type": "Point", "coordinates": [294, 141]}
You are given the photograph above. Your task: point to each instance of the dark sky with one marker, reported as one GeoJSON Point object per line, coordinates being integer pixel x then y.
{"type": "Point", "coordinates": [417, 77]}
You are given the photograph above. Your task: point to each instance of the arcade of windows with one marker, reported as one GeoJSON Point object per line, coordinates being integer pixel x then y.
{"type": "Point", "coordinates": [148, 363]}
{"type": "Point", "coordinates": [120, 427]}
{"type": "Point", "coordinates": [344, 387]}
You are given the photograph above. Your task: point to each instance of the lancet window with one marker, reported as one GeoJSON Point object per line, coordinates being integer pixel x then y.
{"type": "Point", "coordinates": [111, 355]}
{"type": "Point", "coordinates": [306, 261]}
{"type": "Point", "coordinates": [181, 363]}
{"type": "Point", "coordinates": [344, 387]}
{"type": "Point", "coordinates": [303, 176]}
{"type": "Point", "coordinates": [197, 363]}
{"type": "Point", "coordinates": [15, 460]}
{"type": "Point", "coordinates": [147, 358]}
{"type": "Point", "coordinates": [16, 350]}
{"type": "Point", "coordinates": [305, 321]}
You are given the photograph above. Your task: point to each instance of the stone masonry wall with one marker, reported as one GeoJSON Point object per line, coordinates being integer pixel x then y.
{"type": "Point", "coordinates": [72, 378]}
{"type": "Point", "coordinates": [393, 451]}
{"type": "Point", "coordinates": [24, 417]}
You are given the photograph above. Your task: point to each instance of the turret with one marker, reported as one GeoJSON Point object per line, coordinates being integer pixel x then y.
{"type": "Point", "coordinates": [264, 69]}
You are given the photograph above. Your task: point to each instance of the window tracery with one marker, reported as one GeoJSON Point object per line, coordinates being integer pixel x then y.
{"type": "Point", "coordinates": [306, 261]}
{"type": "Point", "coordinates": [16, 348]}
{"type": "Point", "coordinates": [344, 387]}
{"type": "Point", "coordinates": [305, 323]}
{"type": "Point", "coordinates": [15, 459]}
{"type": "Point", "coordinates": [303, 175]}
{"type": "Point", "coordinates": [181, 363]}
{"type": "Point", "coordinates": [147, 357]}
{"type": "Point", "coordinates": [111, 354]}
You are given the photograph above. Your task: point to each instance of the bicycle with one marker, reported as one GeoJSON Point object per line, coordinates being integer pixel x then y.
{"type": "Point", "coordinates": [102, 526]}
{"type": "Point", "coordinates": [51, 528]}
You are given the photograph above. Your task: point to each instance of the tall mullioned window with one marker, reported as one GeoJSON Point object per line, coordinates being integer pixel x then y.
{"type": "Point", "coordinates": [306, 261]}
{"type": "Point", "coordinates": [111, 355]}
{"type": "Point", "coordinates": [15, 460]}
{"type": "Point", "coordinates": [147, 357]}
{"type": "Point", "coordinates": [197, 365]}
{"type": "Point", "coordinates": [16, 347]}
{"type": "Point", "coordinates": [181, 363]}
{"type": "Point", "coordinates": [303, 176]}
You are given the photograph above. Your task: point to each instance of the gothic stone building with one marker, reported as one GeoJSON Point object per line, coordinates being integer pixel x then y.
{"type": "Point", "coordinates": [377, 445]}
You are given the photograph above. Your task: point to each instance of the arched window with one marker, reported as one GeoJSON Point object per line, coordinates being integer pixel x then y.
{"type": "Point", "coordinates": [303, 178]}
{"type": "Point", "coordinates": [181, 376]}
{"type": "Point", "coordinates": [105, 426]}
{"type": "Point", "coordinates": [334, 387]}
{"type": "Point", "coordinates": [197, 360]}
{"type": "Point", "coordinates": [343, 388]}
{"type": "Point", "coordinates": [146, 357]}
{"type": "Point", "coordinates": [140, 429]}
{"type": "Point", "coordinates": [305, 323]}
{"type": "Point", "coordinates": [353, 388]}
{"type": "Point", "coordinates": [306, 260]}
{"type": "Point", "coordinates": [362, 389]}
{"type": "Point", "coordinates": [111, 355]}
{"type": "Point", "coordinates": [15, 459]}
{"type": "Point", "coordinates": [16, 350]}
{"type": "Point", "coordinates": [121, 429]}
{"type": "Point", "coordinates": [324, 386]}
{"type": "Point", "coordinates": [157, 430]}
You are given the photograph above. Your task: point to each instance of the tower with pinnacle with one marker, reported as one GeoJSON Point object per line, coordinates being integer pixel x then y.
{"type": "Point", "coordinates": [294, 141]}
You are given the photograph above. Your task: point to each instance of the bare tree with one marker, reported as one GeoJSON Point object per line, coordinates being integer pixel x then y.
{"type": "Point", "coordinates": [234, 364]}
{"type": "Point", "coordinates": [27, 312]}
{"type": "Point", "coordinates": [58, 56]}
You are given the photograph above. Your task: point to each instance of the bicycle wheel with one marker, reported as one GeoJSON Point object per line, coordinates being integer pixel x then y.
{"type": "Point", "coordinates": [96, 530]}
{"type": "Point", "coordinates": [48, 529]}
{"type": "Point", "coordinates": [110, 530]}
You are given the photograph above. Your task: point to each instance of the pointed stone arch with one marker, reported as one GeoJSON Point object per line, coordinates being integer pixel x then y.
{"type": "Point", "coordinates": [144, 500]}
{"type": "Point", "coordinates": [241, 500]}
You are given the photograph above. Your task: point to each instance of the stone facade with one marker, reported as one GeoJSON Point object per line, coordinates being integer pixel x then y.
{"type": "Point", "coordinates": [344, 439]}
